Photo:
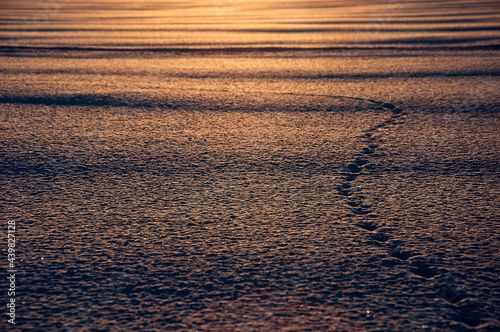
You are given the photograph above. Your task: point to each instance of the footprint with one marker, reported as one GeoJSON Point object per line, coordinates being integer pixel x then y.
{"type": "Point", "coordinates": [345, 185]}
{"type": "Point", "coordinates": [367, 151]}
{"type": "Point", "coordinates": [401, 254]}
{"type": "Point", "coordinates": [380, 237]}
{"type": "Point", "coordinates": [354, 203]}
{"type": "Point", "coordinates": [360, 161]}
{"type": "Point", "coordinates": [353, 168]}
{"type": "Point", "coordinates": [357, 199]}
{"type": "Point", "coordinates": [343, 189]}
{"type": "Point", "coordinates": [389, 106]}
{"type": "Point", "coordinates": [344, 192]}
{"type": "Point", "coordinates": [423, 270]}
{"type": "Point", "coordinates": [350, 177]}
{"type": "Point", "coordinates": [470, 315]}
{"type": "Point", "coordinates": [361, 211]}
{"type": "Point", "coordinates": [451, 295]}
{"type": "Point", "coordinates": [367, 225]}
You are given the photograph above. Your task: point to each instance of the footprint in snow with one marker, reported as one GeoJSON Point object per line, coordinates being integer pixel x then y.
{"type": "Point", "coordinates": [389, 106]}
{"type": "Point", "coordinates": [361, 211]}
{"type": "Point", "coordinates": [367, 225]}
{"type": "Point", "coordinates": [422, 269]}
{"type": "Point", "coordinates": [360, 161]}
{"type": "Point", "coordinates": [380, 237]}
{"type": "Point", "coordinates": [353, 168]}
{"type": "Point", "coordinates": [367, 151]}
{"type": "Point", "coordinates": [350, 176]}
{"type": "Point", "coordinates": [401, 254]}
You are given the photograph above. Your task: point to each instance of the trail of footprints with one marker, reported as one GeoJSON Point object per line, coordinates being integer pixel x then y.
{"type": "Point", "coordinates": [360, 206]}
{"type": "Point", "coordinates": [364, 211]}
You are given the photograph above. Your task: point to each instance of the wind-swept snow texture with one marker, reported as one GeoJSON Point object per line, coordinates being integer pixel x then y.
{"type": "Point", "coordinates": [251, 165]}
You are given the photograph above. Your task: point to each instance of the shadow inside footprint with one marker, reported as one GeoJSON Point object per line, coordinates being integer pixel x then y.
{"type": "Point", "coordinates": [353, 168]}
{"type": "Point", "coordinates": [367, 151]}
{"type": "Point", "coordinates": [451, 295]}
{"type": "Point", "coordinates": [344, 192]}
{"type": "Point", "coordinates": [361, 211]}
{"type": "Point", "coordinates": [367, 225]}
{"type": "Point", "coordinates": [354, 203]}
{"type": "Point", "coordinates": [360, 161]}
{"type": "Point", "coordinates": [380, 237]}
{"type": "Point", "coordinates": [350, 176]}
{"type": "Point", "coordinates": [423, 270]}
{"type": "Point", "coordinates": [345, 185]}
{"type": "Point", "coordinates": [401, 254]}
{"type": "Point", "coordinates": [469, 315]}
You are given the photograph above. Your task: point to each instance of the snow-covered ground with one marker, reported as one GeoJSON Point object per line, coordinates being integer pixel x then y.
{"type": "Point", "coordinates": [252, 166]}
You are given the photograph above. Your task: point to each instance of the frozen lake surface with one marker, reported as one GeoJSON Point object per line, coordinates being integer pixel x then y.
{"type": "Point", "coordinates": [252, 165]}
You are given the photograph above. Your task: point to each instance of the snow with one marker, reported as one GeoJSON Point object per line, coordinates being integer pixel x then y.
{"type": "Point", "coordinates": [252, 166]}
